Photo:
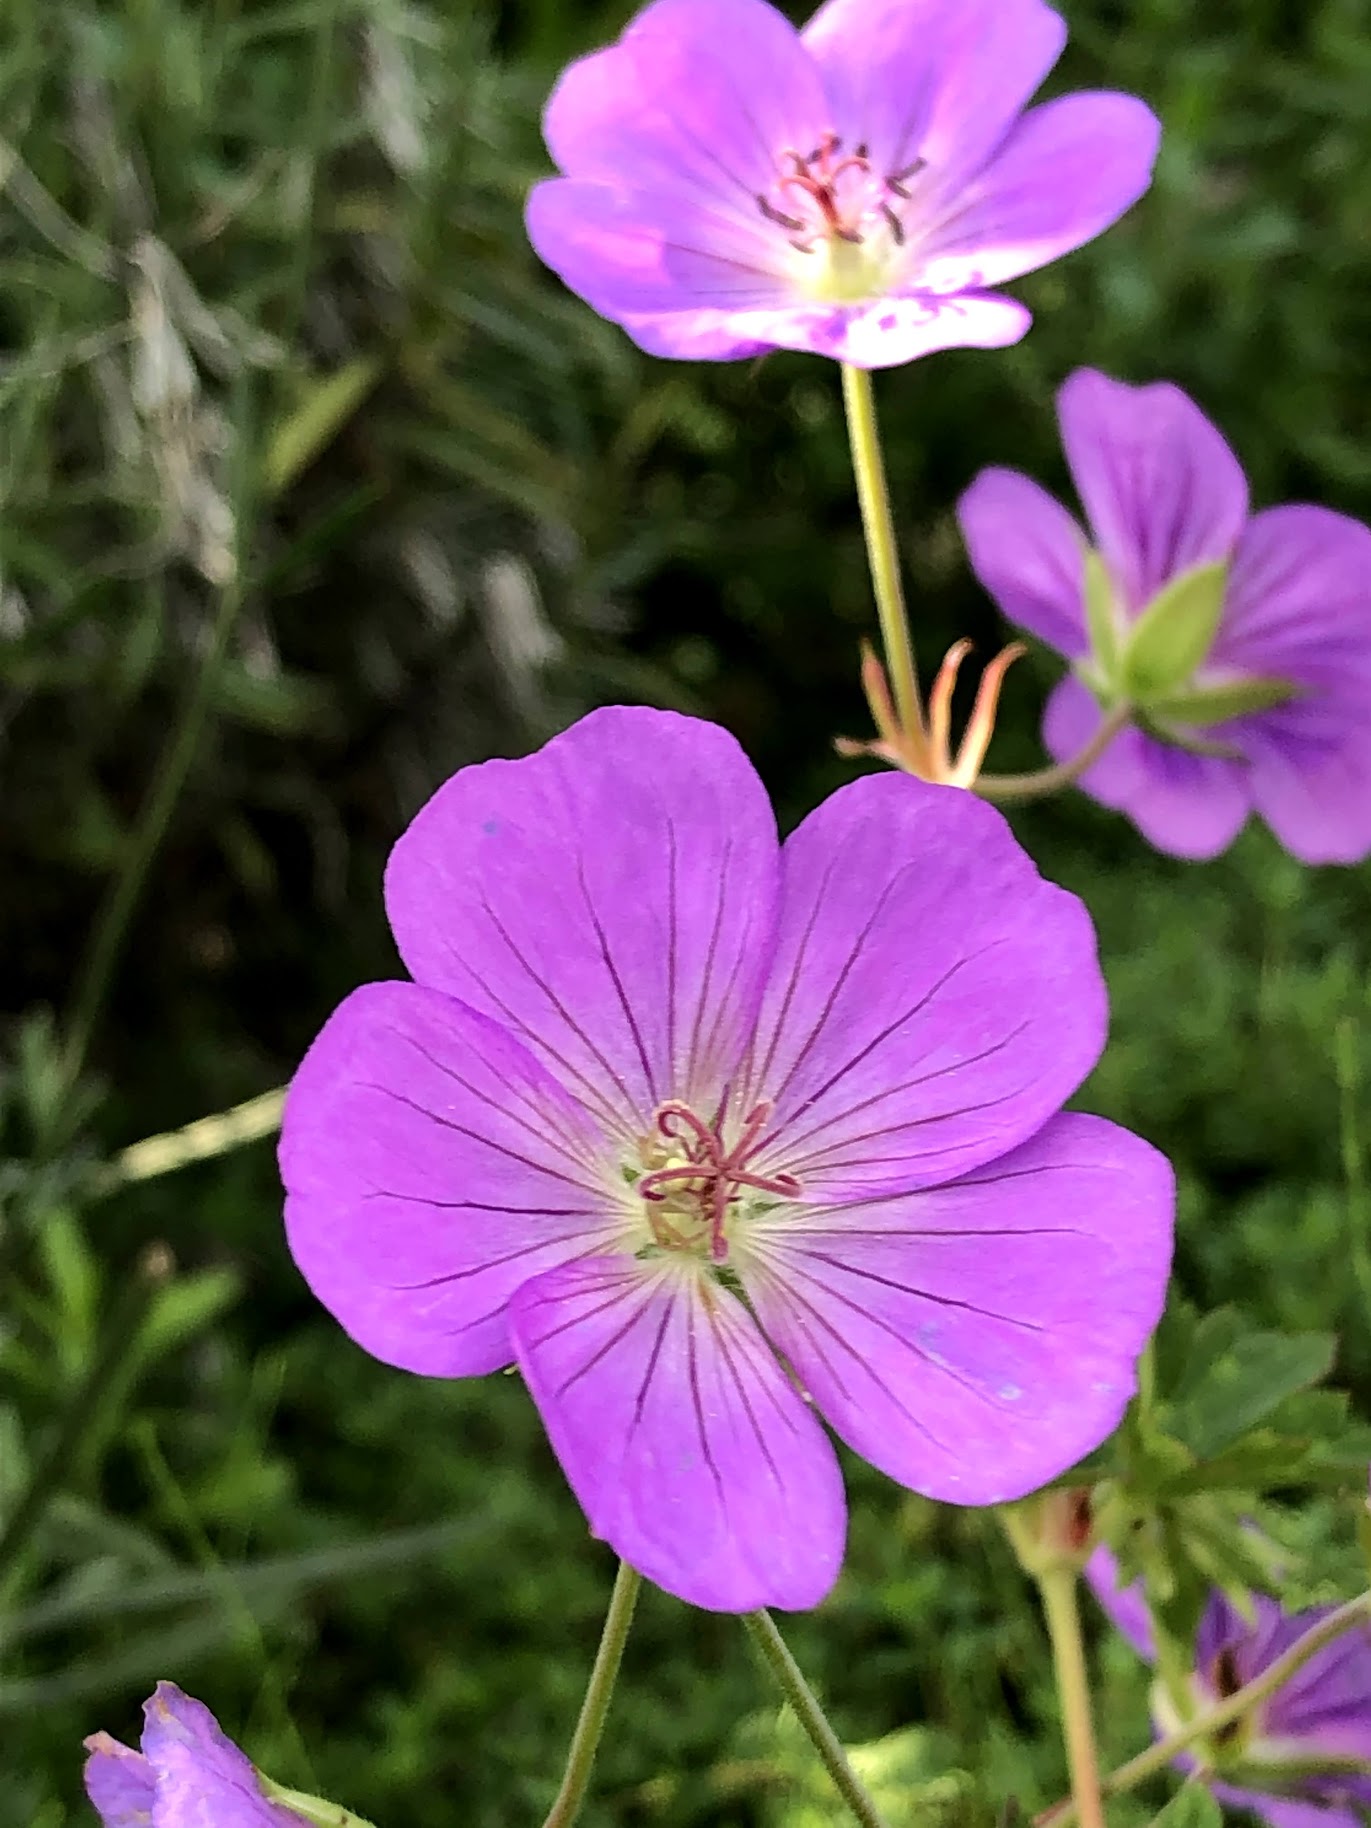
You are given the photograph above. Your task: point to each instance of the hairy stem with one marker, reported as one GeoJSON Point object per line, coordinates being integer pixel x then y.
{"type": "Point", "coordinates": [811, 1716]}
{"type": "Point", "coordinates": [1058, 1587]}
{"type": "Point", "coordinates": [872, 492]}
{"type": "Point", "coordinates": [1006, 789]}
{"type": "Point", "coordinates": [585, 1741]}
{"type": "Point", "coordinates": [1224, 1713]}
{"type": "Point", "coordinates": [195, 1142]}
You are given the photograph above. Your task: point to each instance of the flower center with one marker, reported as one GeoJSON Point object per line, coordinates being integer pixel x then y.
{"type": "Point", "coordinates": [841, 213]}
{"type": "Point", "coordinates": [692, 1179]}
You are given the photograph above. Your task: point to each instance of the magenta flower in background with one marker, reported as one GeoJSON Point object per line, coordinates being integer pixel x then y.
{"type": "Point", "coordinates": [188, 1775]}
{"type": "Point", "coordinates": [730, 185]}
{"type": "Point", "coordinates": [712, 1137]}
{"type": "Point", "coordinates": [1322, 1713]}
{"type": "Point", "coordinates": [1243, 640]}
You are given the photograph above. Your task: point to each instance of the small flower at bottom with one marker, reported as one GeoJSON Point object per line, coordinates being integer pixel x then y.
{"type": "Point", "coordinates": [1242, 641]}
{"type": "Point", "coordinates": [187, 1775]}
{"type": "Point", "coordinates": [730, 185]}
{"type": "Point", "coordinates": [1302, 1757]}
{"type": "Point", "coordinates": [712, 1136]}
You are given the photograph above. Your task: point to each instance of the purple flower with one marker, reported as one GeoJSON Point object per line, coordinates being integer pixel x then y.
{"type": "Point", "coordinates": [1242, 640]}
{"type": "Point", "coordinates": [708, 1135]}
{"type": "Point", "coordinates": [731, 185]}
{"type": "Point", "coordinates": [188, 1775]}
{"type": "Point", "coordinates": [1322, 1715]}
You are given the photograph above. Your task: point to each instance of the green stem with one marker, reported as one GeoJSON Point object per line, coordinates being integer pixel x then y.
{"type": "Point", "coordinates": [121, 1338]}
{"type": "Point", "coordinates": [1006, 789]}
{"type": "Point", "coordinates": [113, 922]}
{"type": "Point", "coordinates": [590, 1725]}
{"type": "Point", "coordinates": [1224, 1713]}
{"type": "Point", "coordinates": [1058, 1589]}
{"type": "Point", "coordinates": [810, 1715]}
{"type": "Point", "coordinates": [872, 492]}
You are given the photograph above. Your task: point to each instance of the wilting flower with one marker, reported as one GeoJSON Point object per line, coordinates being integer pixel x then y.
{"type": "Point", "coordinates": [1242, 642]}
{"type": "Point", "coordinates": [731, 185]}
{"type": "Point", "coordinates": [707, 1136]}
{"type": "Point", "coordinates": [1302, 1757]}
{"type": "Point", "coordinates": [188, 1775]}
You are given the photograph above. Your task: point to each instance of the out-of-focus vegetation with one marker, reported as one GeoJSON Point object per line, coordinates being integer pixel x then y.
{"type": "Point", "coordinates": [302, 455]}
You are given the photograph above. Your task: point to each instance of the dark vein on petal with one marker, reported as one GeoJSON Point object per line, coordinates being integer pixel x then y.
{"type": "Point", "coordinates": [700, 1053]}
{"type": "Point", "coordinates": [611, 1344]}
{"type": "Point", "coordinates": [789, 1141]}
{"type": "Point", "coordinates": [510, 1256]}
{"type": "Point", "coordinates": [650, 1370]}
{"type": "Point", "coordinates": [739, 1385]}
{"type": "Point", "coordinates": [575, 1028]}
{"type": "Point", "coordinates": [542, 1114]}
{"type": "Point", "coordinates": [922, 1294]}
{"type": "Point", "coordinates": [487, 1142]}
{"type": "Point", "coordinates": [757, 1081]}
{"type": "Point", "coordinates": [697, 1398]}
{"type": "Point", "coordinates": [841, 1149]}
{"type": "Point", "coordinates": [630, 1020]}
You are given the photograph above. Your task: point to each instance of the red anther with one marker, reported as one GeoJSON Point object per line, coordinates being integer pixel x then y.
{"type": "Point", "coordinates": [713, 1174]}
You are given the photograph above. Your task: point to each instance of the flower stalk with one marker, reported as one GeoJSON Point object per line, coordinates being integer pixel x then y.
{"type": "Point", "coordinates": [804, 1704]}
{"type": "Point", "coordinates": [1058, 1587]}
{"type": "Point", "coordinates": [585, 1740]}
{"type": "Point", "coordinates": [1017, 789]}
{"type": "Point", "coordinates": [878, 526]}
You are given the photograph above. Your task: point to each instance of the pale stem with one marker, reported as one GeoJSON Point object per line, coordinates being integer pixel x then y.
{"type": "Point", "coordinates": [195, 1142]}
{"type": "Point", "coordinates": [869, 468]}
{"type": "Point", "coordinates": [585, 1741]}
{"type": "Point", "coordinates": [1004, 789]}
{"type": "Point", "coordinates": [1223, 1713]}
{"type": "Point", "coordinates": [1058, 1589]}
{"type": "Point", "coordinates": [805, 1705]}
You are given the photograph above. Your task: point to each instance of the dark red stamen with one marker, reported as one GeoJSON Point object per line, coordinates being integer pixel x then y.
{"type": "Point", "coordinates": [718, 1171]}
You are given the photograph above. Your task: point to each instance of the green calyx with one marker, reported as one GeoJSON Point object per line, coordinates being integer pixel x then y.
{"type": "Point", "coordinates": [1152, 664]}
{"type": "Point", "coordinates": [310, 1808]}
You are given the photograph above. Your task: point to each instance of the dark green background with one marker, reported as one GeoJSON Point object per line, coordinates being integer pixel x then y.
{"type": "Point", "coordinates": [518, 516]}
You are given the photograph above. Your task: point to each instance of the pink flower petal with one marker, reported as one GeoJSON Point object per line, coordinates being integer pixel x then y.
{"type": "Point", "coordinates": [976, 1339]}
{"type": "Point", "coordinates": [628, 252]}
{"type": "Point", "coordinates": [1125, 1607]}
{"type": "Point", "coordinates": [932, 1001]}
{"type": "Point", "coordinates": [1029, 553]}
{"type": "Point", "coordinates": [684, 1441]}
{"type": "Point", "coordinates": [1299, 597]}
{"type": "Point", "coordinates": [119, 1783]}
{"type": "Point", "coordinates": [1161, 487]}
{"type": "Point", "coordinates": [676, 107]}
{"type": "Point", "coordinates": [201, 1776]}
{"type": "Point", "coordinates": [880, 334]}
{"type": "Point", "coordinates": [431, 1166]}
{"type": "Point", "coordinates": [1068, 171]}
{"type": "Point", "coordinates": [1192, 806]}
{"type": "Point", "coordinates": [610, 900]}
{"type": "Point", "coordinates": [941, 80]}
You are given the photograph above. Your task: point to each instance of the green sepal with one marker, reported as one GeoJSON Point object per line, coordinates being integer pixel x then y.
{"type": "Point", "coordinates": [1102, 620]}
{"type": "Point", "coordinates": [1191, 1807]}
{"type": "Point", "coordinates": [310, 1808]}
{"type": "Point", "coordinates": [1173, 635]}
{"type": "Point", "coordinates": [1216, 704]}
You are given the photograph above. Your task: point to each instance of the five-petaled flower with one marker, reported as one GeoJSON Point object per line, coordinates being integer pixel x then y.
{"type": "Point", "coordinates": [730, 185]}
{"type": "Point", "coordinates": [707, 1135]}
{"type": "Point", "coordinates": [1302, 1757]}
{"type": "Point", "coordinates": [187, 1775]}
{"type": "Point", "coordinates": [1242, 642]}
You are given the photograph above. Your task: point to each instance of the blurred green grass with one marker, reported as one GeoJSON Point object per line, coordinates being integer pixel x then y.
{"type": "Point", "coordinates": [278, 369]}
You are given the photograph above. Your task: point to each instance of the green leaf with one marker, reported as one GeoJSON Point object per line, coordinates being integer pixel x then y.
{"type": "Point", "coordinates": [1102, 618]}
{"type": "Point", "coordinates": [1191, 1807]}
{"type": "Point", "coordinates": [1174, 634]}
{"type": "Point", "coordinates": [1216, 704]}
{"type": "Point", "coordinates": [1224, 1394]}
{"type": "Point", "coordinates": [329, 402]}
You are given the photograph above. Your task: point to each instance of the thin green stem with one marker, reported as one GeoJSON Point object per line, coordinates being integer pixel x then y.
{"type": "Point", "coordinates": [1224, 1713]}
{"type": "Point", "coordinates": [120, 1341]}
{"type": "Point", "coordinates": [811, 1716]}
{"type": "Point", "coordinates": [1058, 1589]}
{"type": "Point", "coordinates": [868, 466]}
{"type": "Point", "coordinates": [1006, 789]}
{"type": "Point", "coordinates": [585, 1741]}
{"type": "Point", "coordinates": [112, 925]}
